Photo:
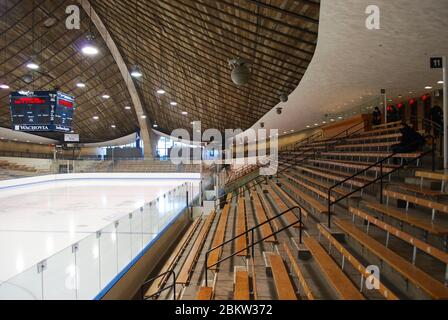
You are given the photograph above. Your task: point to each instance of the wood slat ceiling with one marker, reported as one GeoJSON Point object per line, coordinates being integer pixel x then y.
{"type": "Point", "coordinates": [182, 46]}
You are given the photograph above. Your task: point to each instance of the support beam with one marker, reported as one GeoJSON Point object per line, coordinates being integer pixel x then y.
{"type": "Point", "coordinates": [136, 101]}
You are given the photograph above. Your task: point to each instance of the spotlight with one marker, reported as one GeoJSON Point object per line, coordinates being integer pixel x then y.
{"type": "Point", "coordinates": [89, 47]}
{"type": "Point", "coordinates": [136, 73]}
{"type": "Point", "coordinates": [32, 65]}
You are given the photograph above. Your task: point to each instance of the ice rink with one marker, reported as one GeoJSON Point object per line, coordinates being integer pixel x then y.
{"type": "Point", "coordinates": [39, 220]}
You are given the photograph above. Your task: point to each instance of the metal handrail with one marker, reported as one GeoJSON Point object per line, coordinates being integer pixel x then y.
{"type": "Point", "coordinates": [380, 178]}
{"type": "Point", "coordinates": [313, 149]}
{"type": "Point", "coordinates": [251, 246]}
{"type": "Point", "coordinates": [428, 121]}
{"type": "Point", "coordinates": [173, 285]}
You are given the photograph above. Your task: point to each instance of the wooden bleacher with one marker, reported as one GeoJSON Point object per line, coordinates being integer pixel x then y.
{"type": "Point", "coordinates": [185, 272]}
{"type": "Point", "coordinates": [295, 267]}
{"type": "Point", "coordinates": [283, 285]}
{"type": "Point", "coordinates": [266, 230]}
{"type": "Point", "coordinates": [290, 217]}
{"type": "Point", "coordinates": [383, 290]}
{"type": "Point", "coordinates": [403, 216]}
{"type": "Point", "coordinates": [205, 293]}
{"type": "Point", "coordinates": [215, 255]}
{"type": "Point", "coordinates": [241, 242]}
{"type": "Point", "coordinates": [242, 285]}
{"type": "Point", "coordinates": [429, 285]}
{"type": "Point", "coordinates": [425, 247]}
{"type": "Point", "coordinates": [433, 205]}
{"type": "Point", "coordinates": [334, 275]}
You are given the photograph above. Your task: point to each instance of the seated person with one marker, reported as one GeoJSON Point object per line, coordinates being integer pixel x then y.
{"type": "Point", "coordinates": [411, 141]}
{"type": "Point", "coordinates": [376, 116]}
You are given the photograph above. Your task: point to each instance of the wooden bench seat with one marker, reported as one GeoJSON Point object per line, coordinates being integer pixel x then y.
{"type": "Point", "coordinates": [173, 259]}
{"type": "Point", "coordinates": [333, 274]}
{"type": "Point", "coordinates": [376, 132]}
{"type": "Point", "coordinates": [343, 174]}
{"type": "Point", "coordinates": [354, 165]}
{"type": "Point", "coordinates": [425, 247]}
{"type": "Point", "coordinates": [383, 290]}
{"type": "Point", "coordinates": [406, 218]}
{"type": "Point", "coordinates": [371, 155]}
{"type": "Point", "coordinates": [421, 190]}
{"type": "Point", "coordinates": [205, 293]}
{"type": "Point", "coordinates": [366, 145]}
{"type": "Point", "coordinates": [376, 137]}
{"type": "Point", "coordinates": [289, 216]}
{"type": "Point", "coordinates": [242, 286]}
{"type": "Point", "coordinates": [313, 202]}
{"type": "Point", "coordinates": [388, 124]}
{"type": "Point", "coordinates": [187, 267]}
{"type": "Point", "coordinates": [330, 175]}
{"type": "Point", "coordinates": [440, 176]}
{"type": "Point", "coordinates": [434, 206]}
{"type": "Point", "coordinates": [295, 267]}
{"type": "Point", "coordinates": [338, 190]}
{"type": "Point", "coordinates": [268, 210]}
{"type": "Point", "coordinates": [215, 255]}
{"type": "Point", "coordinates": [241, 242]}
{"type": "Point", "coordinates": [429, 285]}
{"type": "Point", "coordinates": [317, 191]}
{"type": "Point", "coordinates": [266, 230]}
{"type": "Point", "coordinates": [282, 282]}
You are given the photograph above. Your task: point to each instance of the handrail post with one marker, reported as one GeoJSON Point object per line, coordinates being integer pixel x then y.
{"type": "Point", "coordinates": [433, 154]}
{"type": "Point", "coordinates": [329, 208]}
{"type": "Point", "coordinates": [381, 183]}
{"type": "Point", "coordinates": [174, 284]}
{"type": "Point", "coordinates": [300, 226]}
{"type": "Point", "coordinates": [205, 268]}
{"type": "Point", "coordinates": [252, 244]}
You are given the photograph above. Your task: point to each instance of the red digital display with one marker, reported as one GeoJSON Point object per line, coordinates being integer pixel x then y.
{"type": "Point", "coordinates": [29, 101]}
{"type": "Point", "coordinates": [66, 103]}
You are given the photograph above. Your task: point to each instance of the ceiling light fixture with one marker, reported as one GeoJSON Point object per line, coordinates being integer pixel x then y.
{"type": "Point", "coordinates": [136, 72]}
{"type": "Point", "coordinates": [89, 47]}
{"type": "Point", "coordinates": [80, 85]}
{"type": "Point", "coordinates": [143, 116]}
{"type": "Point", "coordinates": [96, 118]}
{"type": "Point", "coordinates": [161, 91]}
{"type": "Point", "coordinates": [105, 96]}
{"type": "Point", "coordinates": [173, 103]}
{"type": "Point", "coordinates": [4, 86]}
{"type": "Point", "coordinates": [113, 126]}
{"type": "Point", "coordinates": [155, 125]}
{"type": "Point", "coordinates": [428, 87]}
{"type": "Point", "coordinates": [32, 65]}
{"type": "Point", "coordinates": [440, 82]}
{"type": "Point", "coordinates": [127, 108]}
{"type": "Point", "coordinates": [184, 113]}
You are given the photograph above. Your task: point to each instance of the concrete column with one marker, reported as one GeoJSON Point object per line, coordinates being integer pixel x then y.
{"type": "Point", "coordinates": [136, 101]}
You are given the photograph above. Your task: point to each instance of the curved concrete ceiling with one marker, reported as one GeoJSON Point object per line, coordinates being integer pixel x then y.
{"type": "Point", "coordinates": [352, 62]}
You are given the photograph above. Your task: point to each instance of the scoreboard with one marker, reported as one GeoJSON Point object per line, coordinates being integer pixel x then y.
{"type": "Point", "coordinates": [41, 111]}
